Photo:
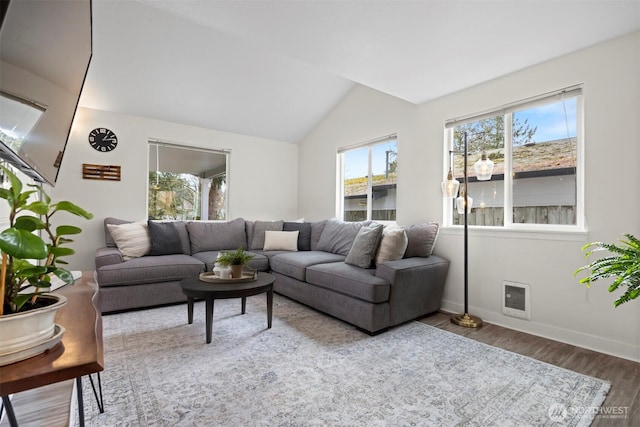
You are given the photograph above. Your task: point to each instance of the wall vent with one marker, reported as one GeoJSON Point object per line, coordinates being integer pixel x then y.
{"type": "Point", "coordinates": [515, 300]}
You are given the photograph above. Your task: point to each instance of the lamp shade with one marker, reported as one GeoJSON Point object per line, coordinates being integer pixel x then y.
{"type": "Point", "coordinates": [450, 186]}
{"type": "Point", "coordinates": [483, 168]}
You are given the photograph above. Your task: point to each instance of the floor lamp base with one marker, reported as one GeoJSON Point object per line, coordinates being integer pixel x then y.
{"type": "Point", "coordinates": [466, 320]}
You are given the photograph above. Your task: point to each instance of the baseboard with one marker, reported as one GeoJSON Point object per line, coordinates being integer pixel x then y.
{"type": "Point", "coordinates": [567, 336]}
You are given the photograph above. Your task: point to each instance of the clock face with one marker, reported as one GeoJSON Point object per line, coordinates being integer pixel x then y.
{"type": "Point", "coordinates": [103, 139]}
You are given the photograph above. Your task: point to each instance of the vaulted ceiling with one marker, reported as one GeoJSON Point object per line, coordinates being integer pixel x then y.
{"type": "Point", "coordinates": [274, 69]}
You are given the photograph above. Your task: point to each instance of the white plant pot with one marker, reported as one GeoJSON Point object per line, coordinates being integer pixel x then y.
{"type": "Point", "coordinates": [29, 330]}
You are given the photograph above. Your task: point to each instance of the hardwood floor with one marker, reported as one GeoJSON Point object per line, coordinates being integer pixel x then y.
{"type": "Point", "coordinates": [48, 406]}
{"type": "Point", "coordinates": [623, 400]}
{"type": "Point", "coordinates": [624, 375]}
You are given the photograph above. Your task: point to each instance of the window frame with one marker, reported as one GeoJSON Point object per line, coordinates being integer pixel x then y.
{"type": "Point", "coordinates": [340, 163]}
{"type": "Point", "coordinates": [219, 151]}
{"type": "Point", "coordinates": [577, 230]}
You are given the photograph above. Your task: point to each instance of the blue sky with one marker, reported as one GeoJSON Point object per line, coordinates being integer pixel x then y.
{"type": "Point", "coordinates": [356, 161]}
{"type": "Point", "coordinates": [550, 119]}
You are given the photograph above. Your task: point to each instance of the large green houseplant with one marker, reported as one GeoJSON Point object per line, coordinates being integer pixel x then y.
{"type": "Point", "coordinates": [623, 263]}
{"type": "Point", "coordinates": [19, 245]}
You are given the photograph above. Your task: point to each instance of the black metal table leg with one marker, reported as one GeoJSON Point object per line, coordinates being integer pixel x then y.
{"type": "Point", "coordinates": [244, 305]}
{"type": "Point", "coordinates": [80, 401]}
{"type": "Point", "coordinates": [6, 404]}
{"type": "Point", "coordinates": [100, 400]}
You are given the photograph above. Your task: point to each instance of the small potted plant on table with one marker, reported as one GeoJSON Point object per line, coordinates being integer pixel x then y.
{"type": "Point", "coordinates": [235, 260]}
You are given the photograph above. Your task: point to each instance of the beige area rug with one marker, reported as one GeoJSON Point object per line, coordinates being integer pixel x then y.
{"type": "Point", "coordinates": [310, 369]}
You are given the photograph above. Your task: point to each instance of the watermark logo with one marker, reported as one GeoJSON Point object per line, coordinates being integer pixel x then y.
{"type": "Point", "coordinates": [559, 412]}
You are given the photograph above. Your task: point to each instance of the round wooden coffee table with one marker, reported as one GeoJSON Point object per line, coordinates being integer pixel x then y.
{"type": "Point", "coordinates": [194, 288]}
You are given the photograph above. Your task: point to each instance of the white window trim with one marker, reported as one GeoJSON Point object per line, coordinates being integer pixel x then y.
{"type": "Point", "coordinates": [577, 232]}
{"type": "Point", "coordinates": [558, 233]}
{"type": "Point", "coordinates": [339, 185]}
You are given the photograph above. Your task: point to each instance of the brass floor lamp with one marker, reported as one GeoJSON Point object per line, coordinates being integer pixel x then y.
{"type": "Point", "coordinates": [484, 169]}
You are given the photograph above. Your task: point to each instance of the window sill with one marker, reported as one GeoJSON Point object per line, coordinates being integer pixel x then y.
{"type": "Point", "coordinates": [560, 233]}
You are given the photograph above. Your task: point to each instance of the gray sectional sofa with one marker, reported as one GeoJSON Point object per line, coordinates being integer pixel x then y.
{"type": "Point", "coordinates": [362, 273]}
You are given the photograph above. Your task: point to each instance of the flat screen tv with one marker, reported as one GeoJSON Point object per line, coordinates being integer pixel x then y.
{"type": "Point", "coordinates": [45, 50]}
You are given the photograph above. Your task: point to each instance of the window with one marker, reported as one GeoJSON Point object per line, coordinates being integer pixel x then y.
{"type": "Point", "coordinates": [186, 183]}
{"type": "Point", "coordinates": [367, 180]}
{"type": "Point", "coordinates": [535, 146]}
{"type": "Point", "coordinates": [18, 119]}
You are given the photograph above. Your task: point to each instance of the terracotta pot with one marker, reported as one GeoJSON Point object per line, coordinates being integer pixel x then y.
{"type": "Point", "coordinates": [20, 332]}
{"type": "Point", "coordinates": [236, 271]}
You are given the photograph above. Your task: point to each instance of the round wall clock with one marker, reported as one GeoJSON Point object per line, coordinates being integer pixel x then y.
{"type": "Point", "coordinates": [103, 139]}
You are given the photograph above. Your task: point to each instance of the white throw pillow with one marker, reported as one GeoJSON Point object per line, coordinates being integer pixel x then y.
{"type": "Point", "coordinates": [281, 240]}
{"type": "Point", "coordinates": [393, 244]}
{"type": "Point", "coordinates": [132, 239]}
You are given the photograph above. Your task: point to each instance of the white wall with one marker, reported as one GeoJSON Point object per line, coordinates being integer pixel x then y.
{"type": "Point", "coordinates": [364, 115]}
{"type": "Point", "coordinates": [263, 178]}
{"type": "Point", "coordinates": [560, 308]}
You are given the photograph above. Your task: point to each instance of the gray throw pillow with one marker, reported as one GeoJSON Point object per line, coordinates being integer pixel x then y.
{"type": "Point", "coordinates": [316, 231]}
{"type": "Point", "coordinates": [304, 235]}
{"type": "Point", "coordinates": [181, 226]}
{"type": "Point", "coordinates": [165, 239]}
{"type": "Point", "coordinates": [257, 242]}
{"type": "Point", "coordinates": [421, 239]}
{"type": "Point", "coordinates": [365, 246]}
{"type": "Point", "coordinates": [338, 236]}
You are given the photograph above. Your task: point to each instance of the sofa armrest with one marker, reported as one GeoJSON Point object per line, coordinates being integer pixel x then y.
{"type": "Point", "coordinates": [108, 256]}
{"type": "Point", "coordinates": [417, 285]}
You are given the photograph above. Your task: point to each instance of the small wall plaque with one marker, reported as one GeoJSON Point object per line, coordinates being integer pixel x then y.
{"type": "Point", "coordinates": [101, 172]}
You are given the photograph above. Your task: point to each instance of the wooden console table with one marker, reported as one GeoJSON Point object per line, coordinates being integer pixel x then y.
{"type": "Point", "coordinates": [79, 353]}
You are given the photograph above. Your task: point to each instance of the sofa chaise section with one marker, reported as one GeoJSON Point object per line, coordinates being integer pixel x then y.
{"type": "Point", "coordinates": [371, 318]}
{"type": "Point", "coordinates": [371, 299]}
{"type": "Point", "coordinates": [144, 281]}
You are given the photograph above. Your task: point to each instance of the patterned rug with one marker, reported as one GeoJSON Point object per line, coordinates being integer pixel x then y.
{"type": "Point", "coordinates": [310, 369]}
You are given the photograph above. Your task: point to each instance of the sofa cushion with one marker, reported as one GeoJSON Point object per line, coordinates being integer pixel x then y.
{"type": "Point", "coordinates": [294, 264]}
{"type": "Point", "coordinates": [421, 239]}
{"type": "Point", "coordinates": [215, 236]}
{"type": "Point", "coordinates": [132, 239]}
{"type": "Point", "coordinates": [338, 236]}
{"type": "Point", "coordinates": [165, 239]}
{"type": "Point", "coordinates": [304, 236]}
{"type": "Point", "coordinates": [393, 244]}
{"type": "Point", "coordinates": [259, 262]}
{"type": "Point", "coordinates": [281, 240]}
{"type": "Point", "coordinates": [365, 246]}
{"type": "Point", "coordinates": [149, 269]}
{"type": "Point", "coordinates": [248, 228]}
{"type": "Point", "coordinates": [259, 227]}
{"type": "Point", "coordinates": [350, 280]}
